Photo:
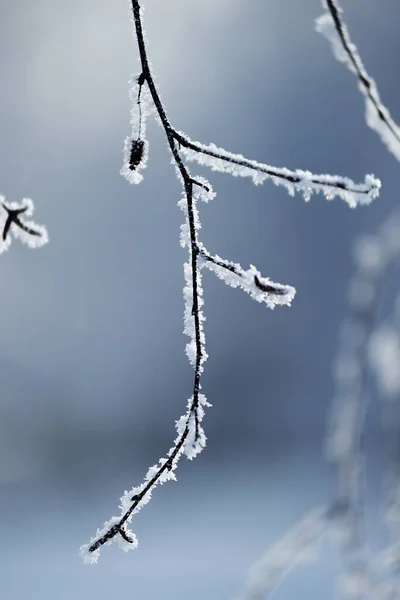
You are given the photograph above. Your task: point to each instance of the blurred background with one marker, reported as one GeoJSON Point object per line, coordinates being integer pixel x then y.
{"type": "Point", "coordinates": [93, 372]}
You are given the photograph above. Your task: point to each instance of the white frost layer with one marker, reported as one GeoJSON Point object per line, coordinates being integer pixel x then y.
{"type": "Point", "coordinates": [377, 115]}
{"type": "Point", "coordinates": [304, 182]}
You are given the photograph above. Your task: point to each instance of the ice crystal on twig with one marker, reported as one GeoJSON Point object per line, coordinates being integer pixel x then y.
{"type": "Point", "coordinates": [191, 438]}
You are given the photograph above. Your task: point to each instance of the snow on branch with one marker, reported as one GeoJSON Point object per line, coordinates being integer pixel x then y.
{"type": "Point", "coordinates": [191, 439]}
{"type": "Point", "coordinates": [13, 223]}
{"type": "Point", "coordinates": [332, 26]}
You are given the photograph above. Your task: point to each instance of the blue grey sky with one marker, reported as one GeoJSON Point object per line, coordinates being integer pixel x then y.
{"type": "Point", "coordinates": [92, 369]}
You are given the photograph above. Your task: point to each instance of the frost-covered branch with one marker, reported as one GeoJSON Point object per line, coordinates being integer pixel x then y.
{"type": "Point", "coordinates": [13, 223]}
{"type": "Point", "coordinates": [333, 27]}
{"type": "Point", "coordinates": [191, 438]}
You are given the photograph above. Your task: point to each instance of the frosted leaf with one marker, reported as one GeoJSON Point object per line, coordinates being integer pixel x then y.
{"type": "Point", "coordinates": [301, 181]}
{"type": "Point", "coordinates": [384, 356]}
{"type": "Point", "coordinates": [13, 223]}
{"type": "Point", "coordinates": [378, 118]}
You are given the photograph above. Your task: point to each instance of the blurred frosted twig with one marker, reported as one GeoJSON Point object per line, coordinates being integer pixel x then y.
{"type": "Point", "coordinates": [301, 544]}
{"type": "Point", "coordinates": [333, 27]}
{"type": "Point", "coordinates": [191, 439]}
{"type": "Point", "coordinates": [360, 344]}
{"type": "Point", "coordinates": [384, 360]}
{"type": "Point", "coordinates": [374, 256]}
{"type": "Point", "coordinates": [297, 545]}
{"type": "Point", "coordinates": [13, 223]}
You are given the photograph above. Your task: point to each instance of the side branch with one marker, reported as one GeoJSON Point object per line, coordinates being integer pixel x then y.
{"type": "Point", "coordinates": [259, 288]}
{"type": "Point", "coordinates": [304, 182]}
{"type": "Point", "coordinates": [13, 223]}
